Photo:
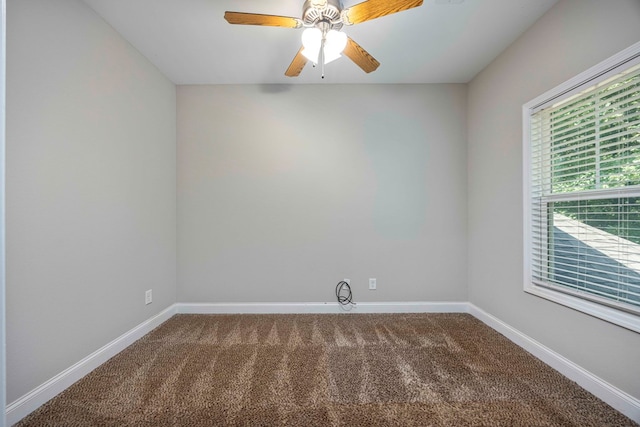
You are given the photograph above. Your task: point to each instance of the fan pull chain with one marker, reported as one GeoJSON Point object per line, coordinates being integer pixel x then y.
{"type": "Point", "coordinates": [324, 37]}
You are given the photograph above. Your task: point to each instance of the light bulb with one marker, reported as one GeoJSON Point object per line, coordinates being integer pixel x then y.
{"type": "Point", "coordinates": [311, 41]}
{"type": "Point", "coordinates": [334, 44]}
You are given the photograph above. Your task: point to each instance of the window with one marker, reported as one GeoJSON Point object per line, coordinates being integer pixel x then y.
{"type": "Point", "coordinates": [582, 191]}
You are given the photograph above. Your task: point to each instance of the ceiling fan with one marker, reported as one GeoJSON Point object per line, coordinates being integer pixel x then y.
{"type": "Point", "coordinates": [322, 40]}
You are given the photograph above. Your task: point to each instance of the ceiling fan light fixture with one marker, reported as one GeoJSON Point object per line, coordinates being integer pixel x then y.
{"type": "Point", "coordinates": [311, 41]}
{"type": "Point", "coordinates": [335, 42]}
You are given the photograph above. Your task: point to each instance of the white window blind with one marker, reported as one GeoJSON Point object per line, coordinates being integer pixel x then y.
{"type": "Point", "coordinates": [584, 192]}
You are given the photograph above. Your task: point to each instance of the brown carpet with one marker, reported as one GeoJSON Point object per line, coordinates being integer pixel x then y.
{"type": "Point", "coordinates": [325, 370]}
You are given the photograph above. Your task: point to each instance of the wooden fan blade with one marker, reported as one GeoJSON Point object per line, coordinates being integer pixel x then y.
{"type": "Point", "coordinates": [298, 63]}
{"type": "Point", "coordinates": [258, 19]}
{"type": "Point", "coordinates": [361, 57]}
{"type": "Point", "coordinates": [372, 9]}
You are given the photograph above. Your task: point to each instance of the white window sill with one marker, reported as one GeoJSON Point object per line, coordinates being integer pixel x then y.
{"type": "Point", "coordinates": [618, 317]}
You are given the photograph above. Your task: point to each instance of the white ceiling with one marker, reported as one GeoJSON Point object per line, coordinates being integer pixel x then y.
{"type": "Point", "coordinates": [438, 42]}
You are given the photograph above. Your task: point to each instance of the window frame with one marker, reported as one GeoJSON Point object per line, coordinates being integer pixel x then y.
{"type": "Point", "coordinates": [617, 63]}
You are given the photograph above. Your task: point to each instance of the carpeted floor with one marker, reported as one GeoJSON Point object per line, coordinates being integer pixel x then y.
{"type": "Point", "coordinates": [325, 370]}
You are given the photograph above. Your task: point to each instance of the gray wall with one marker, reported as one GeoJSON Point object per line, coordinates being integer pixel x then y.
{"type": "Point", "coordinates": [3, 365]}
{"type": "Point", "coordinates": [285, 190]}
{"type": "Point", "coordinates": [91, 218]}
{"type": "Point", "coordinates": [573, 36]}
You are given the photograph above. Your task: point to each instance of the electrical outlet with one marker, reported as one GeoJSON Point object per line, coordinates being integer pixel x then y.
{"type": "Point", "coordinates": [372, 284]}
{"type": "Point", "coordinates": [148, 297]}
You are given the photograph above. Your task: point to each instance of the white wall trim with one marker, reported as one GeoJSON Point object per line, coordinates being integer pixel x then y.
{"type": "Point", "coordinates": [616, 398]}
{"type": "Point", "coordinates": [613, 396]}
{"type": "Point", "coordinates": [321, 307]}
{"type": "Point", "coordinates": [45, 392]}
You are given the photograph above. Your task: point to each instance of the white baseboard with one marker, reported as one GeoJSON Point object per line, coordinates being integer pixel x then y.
{"type": "Point", "coordinates": [613, 396]}
{"type": "Point", "coordinates": [37, 397]}
{"type": "Point", "coordinates": [621, 401]}
{"type": "Point", "coordinates": [322, 308]}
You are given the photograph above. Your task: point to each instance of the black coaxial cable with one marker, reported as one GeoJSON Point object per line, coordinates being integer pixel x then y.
{"type": "Point", "coordinates": [343, 293]}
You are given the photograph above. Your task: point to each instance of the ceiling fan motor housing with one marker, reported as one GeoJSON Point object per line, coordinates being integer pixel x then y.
{"type": "Point", "coordinates": [325, 13]}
